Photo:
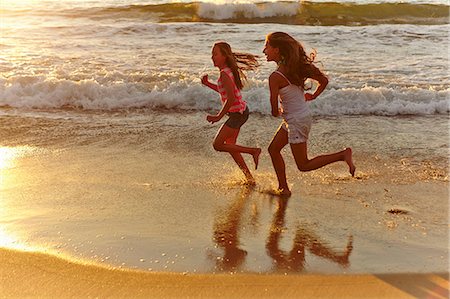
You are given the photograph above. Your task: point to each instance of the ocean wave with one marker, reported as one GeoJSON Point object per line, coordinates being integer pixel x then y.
{"type": "Point", "coordinates": [39, 92]}
{"type": "Point", "coordinates": [288, 12]}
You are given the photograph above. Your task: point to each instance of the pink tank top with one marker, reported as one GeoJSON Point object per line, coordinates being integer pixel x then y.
{"type": "Point", "coordinates": [239, 104]}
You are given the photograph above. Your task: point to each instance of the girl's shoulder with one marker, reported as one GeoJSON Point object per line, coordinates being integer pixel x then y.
{"type": "Point", "coordinates": [226, 70]}
{"type": "Point", "coordinates": [278, 75]}
{"type": "Point", "coordinates": [226, 73]}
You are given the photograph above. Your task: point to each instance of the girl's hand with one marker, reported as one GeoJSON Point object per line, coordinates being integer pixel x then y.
{"type": "Point", "coordinates": [205, 79]}
{"type": "Point", "coordinates": [212, 118]}
{"type": "Point", "coordinates": [309, 97]}
{"type": "Point", "coordinates": [278, 112]}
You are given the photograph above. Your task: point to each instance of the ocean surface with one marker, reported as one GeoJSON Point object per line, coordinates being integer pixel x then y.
{"type": "Point", "coordinates": [105, 152]}
{"type": "Point", "coordinates": [107, 55]}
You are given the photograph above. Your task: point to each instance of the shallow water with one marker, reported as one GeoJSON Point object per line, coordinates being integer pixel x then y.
{"type": "Point", "coordinates": [146, 191]}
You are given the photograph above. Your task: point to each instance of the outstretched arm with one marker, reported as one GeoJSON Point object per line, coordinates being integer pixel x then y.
{"type": "Point", "coordinates": [323, 82]}
{"type": "Point", "coordinates": [206, 82]}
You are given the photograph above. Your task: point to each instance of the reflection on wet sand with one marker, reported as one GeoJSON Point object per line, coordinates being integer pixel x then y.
{"type": "Point", "coordinates": [294, 260]}
{"type": "Point", "coordinates": [227, 229]}
{"type": "Point", "coordinates": [226, 233]}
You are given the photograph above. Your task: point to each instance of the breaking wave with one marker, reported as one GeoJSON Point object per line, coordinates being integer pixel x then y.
{"type": "Point", "coordinates": [39, 92]}
{"type": "Point", "coordinates": [289, 12]}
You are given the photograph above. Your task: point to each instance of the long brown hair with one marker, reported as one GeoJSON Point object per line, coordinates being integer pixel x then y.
{"type": "Point", "coordinates": [238, 62]}
{"type": "Point", "coordinates": [293, 56]}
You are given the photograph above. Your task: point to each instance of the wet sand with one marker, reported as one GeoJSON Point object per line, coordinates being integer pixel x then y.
{"type": "Point", "coordinates": [112, 206]}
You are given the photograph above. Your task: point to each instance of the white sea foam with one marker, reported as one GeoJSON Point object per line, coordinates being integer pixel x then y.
{"type": "Point", "coordinates": [189, 94]}
{"type": "Point", "coordinates": [247, 10]}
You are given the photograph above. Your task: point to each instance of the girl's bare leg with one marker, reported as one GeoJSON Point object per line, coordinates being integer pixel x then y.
{"type": "Point", "coordinates": [304, 164]}
{"type": "Point", "coordinates": [237, 157]}
{"type": "Point", "coordinates": [256, 157]}
{"type": "Point", "coordinates": [225, 141]}
{"type": "Point", "coordinates": [276, 145]}
{"type": "Point", "coordinates": [349, 161]}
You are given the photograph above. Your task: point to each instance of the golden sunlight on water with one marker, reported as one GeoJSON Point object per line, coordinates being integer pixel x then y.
{"type": "Point", "coordinates": [8, 157]}
{"type": "Point", "coordinates": [7, 240]}
{"type": "Point", "coordinates": [8, 4]}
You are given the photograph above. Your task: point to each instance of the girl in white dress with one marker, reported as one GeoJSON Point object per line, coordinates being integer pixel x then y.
{"type": "Point", "coordinates": [287, 98]}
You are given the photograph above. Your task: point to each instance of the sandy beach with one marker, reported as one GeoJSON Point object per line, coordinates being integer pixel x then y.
{"type": "Point", "coordinates": [34, 275]}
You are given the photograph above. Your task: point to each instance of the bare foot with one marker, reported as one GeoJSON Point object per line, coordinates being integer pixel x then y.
{"type": "Point", "coordinates": [250, 181]}
{"type": "Point", "coordinates": [349, 160]}
{"type": "Point", "coordinates": [285, 193]}
{"type": "Point", "coordinates": [256, 157]}
{"type": "Point", "coordinates": [282, 192]}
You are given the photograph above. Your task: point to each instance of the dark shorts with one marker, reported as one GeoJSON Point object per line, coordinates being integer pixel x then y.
{"type": "Point", "coordinates": [236, 120]}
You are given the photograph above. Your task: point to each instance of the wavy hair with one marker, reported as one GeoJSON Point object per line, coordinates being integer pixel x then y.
{"type": "Point", "coordinates": [238, 62]}
{"type": "Point", "coordinates": [299, 65]}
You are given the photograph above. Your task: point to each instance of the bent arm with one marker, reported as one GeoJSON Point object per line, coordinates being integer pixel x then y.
{"type": "Point", "coordinates": [323, 82]}
{"type": "Point", "coordinates": [274, 91]}
{"type": "Point", "coordinates": [212, 86]}
{"type": "Point", "coordinates": [229, 89]}
{"type": "Point", "coordinates": [206, 82]}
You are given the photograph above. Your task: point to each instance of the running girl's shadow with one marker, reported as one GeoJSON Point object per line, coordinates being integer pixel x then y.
{"type": "Point", "coordinates": [227, 227]}
{"type": "Point", "coordinates": [226, 232]}
{"type": "Point", "coordinates": [294, 260]}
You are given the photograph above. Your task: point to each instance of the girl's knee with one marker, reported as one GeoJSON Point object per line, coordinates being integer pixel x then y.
{"type": "Point", "coordinates": [217, 145]}
{"type": "Point", "coordinates": [302, 168]}
{"type": "Point", "coordinates": [273, 150]}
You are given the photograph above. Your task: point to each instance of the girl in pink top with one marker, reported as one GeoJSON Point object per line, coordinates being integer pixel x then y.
{"type": "Point", "coordinates": [288, 100]}
{"type": "Point", "coordinates": [229, 87]}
